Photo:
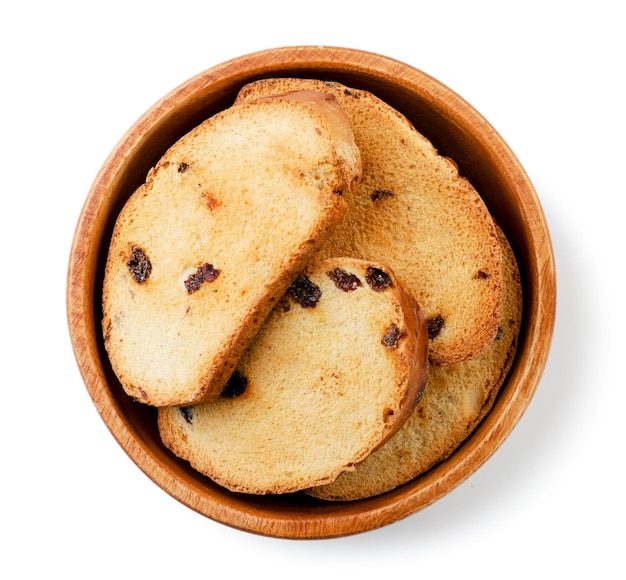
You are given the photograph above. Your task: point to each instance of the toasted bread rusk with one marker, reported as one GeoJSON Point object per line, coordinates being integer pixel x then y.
{"type": "Point", "coordinates": [202, 251]}
{"type": "Point", "coordinates": [456, 398]}
{"type": "Point", "coordinates": [333, 373]}
{"type": "Point", "coordinates": [414, 212]}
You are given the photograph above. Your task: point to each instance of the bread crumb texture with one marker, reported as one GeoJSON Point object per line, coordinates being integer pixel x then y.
{"type": "Point", "coordinates": [311, 408]}
{"type": "Point", "coordinates": [414, 212]}
{"type": "Point", "coordinates": [203, 249]}
{"type": "Point", "coordinates": [456, 398]}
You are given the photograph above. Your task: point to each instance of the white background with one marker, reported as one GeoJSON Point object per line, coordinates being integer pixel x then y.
{"type": "Point", "coordinates": [548, 75]}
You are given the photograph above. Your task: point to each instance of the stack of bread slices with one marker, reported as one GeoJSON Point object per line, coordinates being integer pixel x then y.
{"type": "Point", "coordinates": [314, 298]}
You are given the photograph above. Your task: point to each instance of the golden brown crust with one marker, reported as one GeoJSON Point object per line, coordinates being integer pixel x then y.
{"type": "Point", "coordinates": [333, 373]}
{"type": "Point", "coordinates": [456, 398]}
{"type": "Point", "coordinates": [414, 212]}
{"type": "Point", "coordinates": [201, 252]}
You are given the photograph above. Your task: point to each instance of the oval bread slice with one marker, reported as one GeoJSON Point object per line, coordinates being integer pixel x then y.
{"type": "Point", "coordinates": [415, 213]}
{"type": "Point", "coordinates": [202, 251]}
{"type": "Point", "coordinates": [456, 398]}
{"type": "Point", "coordinates": [333, 373]}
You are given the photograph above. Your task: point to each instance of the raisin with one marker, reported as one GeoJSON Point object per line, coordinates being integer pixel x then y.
{"type": "Point", "coordinates": [381, 194]}
{"type": "Point", "coordinates": [435, 326]}
{"type": "Point", "coordinates": [205, 273]}
{"type": "Point", "coordinates": [235, 387]}
{"type": "Point", "coordinates": [481, 275]}
{"type": "Point", "coordinates": [187, 413]}
{"type": "Point", "coordinates": [344, 280]}
{"type": "Point", "coordinates": [304, 292]}
{"type": "Point", "coordinates": [392, 336]}
{"type": "Point", "coordinates": [139, 265]}
{"type": "Point", "coordinates": [377, 279]}
{"type": "Point", "coordinates": [183, 167]}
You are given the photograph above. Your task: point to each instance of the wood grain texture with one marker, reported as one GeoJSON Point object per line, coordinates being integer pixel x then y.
{"type": "Point", "coordinates": [458, 131]}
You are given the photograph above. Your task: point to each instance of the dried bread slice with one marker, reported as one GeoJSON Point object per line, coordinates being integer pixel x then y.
{"type": "Point", "coordinates": [456, 399]}
{"type": "Point", "coordinates": [333, 373]}
{"type": "Point", "coordinates": [414, 212]}
{"type": "Point", "coordinates": [202, 251]}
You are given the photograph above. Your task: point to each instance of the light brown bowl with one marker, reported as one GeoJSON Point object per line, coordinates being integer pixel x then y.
{"type": "Point", "coordinates": [459, 132]}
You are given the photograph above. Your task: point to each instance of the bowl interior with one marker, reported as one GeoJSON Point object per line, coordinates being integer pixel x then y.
{"type": "Point", "coordinates": [457, 131]}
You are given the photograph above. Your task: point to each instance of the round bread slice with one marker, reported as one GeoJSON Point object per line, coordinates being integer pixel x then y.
{"type": "Point", "coordinates": [202, 251]}
{"type": "Point", "coordinates": [456, 398]}
{"type": "Point", "coordinates": [414, 212]}
{"type": "Point", "coordinates": [333, 373]}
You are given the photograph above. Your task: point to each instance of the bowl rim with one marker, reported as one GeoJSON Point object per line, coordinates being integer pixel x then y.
{"type": "Point", "coordinates": [337, 518]}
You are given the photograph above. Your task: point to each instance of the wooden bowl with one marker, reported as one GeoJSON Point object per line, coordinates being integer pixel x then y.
{"type": "Point", "coordinates": [459, 132]}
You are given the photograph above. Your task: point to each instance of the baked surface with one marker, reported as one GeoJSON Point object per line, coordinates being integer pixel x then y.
{"type": "Point", "coordinates": [333, 373]}
{"type": "Point", "coordinates": [415, 213]}
{"type": "Point", "coordinates": [456, 398]}
{"type": "Point", "coordinates": [202, 251]}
